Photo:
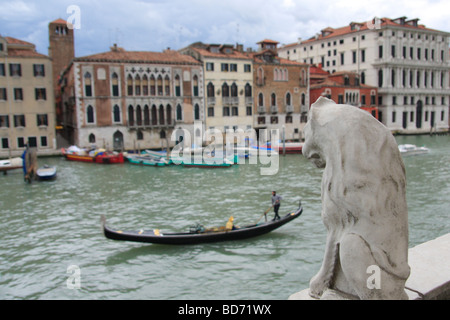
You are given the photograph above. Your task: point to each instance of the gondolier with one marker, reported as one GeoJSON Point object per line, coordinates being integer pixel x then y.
{"type": "Point", "coordinates": [276, 202]}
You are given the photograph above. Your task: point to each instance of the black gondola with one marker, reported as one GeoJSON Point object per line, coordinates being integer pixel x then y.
{"type": "Point", "coordinates": [198, 234]}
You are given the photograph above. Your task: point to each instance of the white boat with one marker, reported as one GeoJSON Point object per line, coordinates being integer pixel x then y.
{"type": "Point", "coordinates": [46, 173]}
{"type": "Point", "coordinates": [10, 164]}
{"type": "Point", "coordinates": [411, 149]}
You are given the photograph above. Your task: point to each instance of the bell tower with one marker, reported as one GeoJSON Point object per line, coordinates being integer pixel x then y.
{"type": "Point", "coordinates": [61, 48]}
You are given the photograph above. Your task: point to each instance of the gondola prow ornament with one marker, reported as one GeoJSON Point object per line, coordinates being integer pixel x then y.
{"type": "Point", "coordinates": [363, 204]}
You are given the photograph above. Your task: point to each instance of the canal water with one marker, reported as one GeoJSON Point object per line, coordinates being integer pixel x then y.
{"type": "Point", "coordinates": [52, 247]}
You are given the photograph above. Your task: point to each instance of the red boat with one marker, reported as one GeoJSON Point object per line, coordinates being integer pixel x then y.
{"type": "Point", "coordinates": [96, 156]}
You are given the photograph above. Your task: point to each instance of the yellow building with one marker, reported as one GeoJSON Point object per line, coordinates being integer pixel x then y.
{"type": "Point", "coordinates": [27, 109]}
{"type": "Point", "coordinates": [228, 80]}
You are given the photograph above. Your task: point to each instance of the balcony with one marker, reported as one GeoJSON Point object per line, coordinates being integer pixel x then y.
{"type": "Point", "coordinates": [273, 109]}
{"type": "Point", "coordinates": [261, 109]}
{"type": "Point", "coordinates": [289, 108]}
{"type": "Point", "coordinates": [211, 101]}
{"type": "Point", "coordinates": [146, 124]}
{"type": "Point", "coordinates": [230, 101]}
{"type": "Point", "coordinates": [248, 101]}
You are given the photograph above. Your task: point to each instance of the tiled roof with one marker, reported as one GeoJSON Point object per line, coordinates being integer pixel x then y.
{"type": "Point", "coordinates": [329, 32]}
{"type": "Point", "coordinates": [233, 55]}
{"type": "Point", "coordinates": [120, 55]}
{"type": "Point", "coordinates": [256, 56]}
{"type": "Point", "coordinates": [268, 41]}
{"type": "Point", "coordinates": [11, 40]}
{"type": "Point", "coordinates": [59, 21]}
{"type": "Point", "coordinates": [25, 53]}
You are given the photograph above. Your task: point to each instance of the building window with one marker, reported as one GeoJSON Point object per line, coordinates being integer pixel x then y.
{"type": "Point", "coordinates": [90, 114]}
{"type": "Point", "coordinates": [380, 78]}
{"type": "Point", "coordinates": [5, 143]}
{"type": "Point", "coordinates": [167, 85]}
{"type": "Point", "coordinates": [226, 111]}
{"type": "Point", "coordinates": [91, 138]}
{"type": "Point", "coordinates": [137, 85]}
{"type": "Point", "coordinates": [152, 85]}
{"type": "Point", "coordinates": [44, 141]}
{"type": "Point", "coordinates": [115, 84]}
{"type": "Point", "coordinates": [40, 94]}
{"type": "Point", "coordinates": [38, 70]}
{"type": "Point", "coordinates": [116, 113]}
{"type": "Point", "coordinates": [3, 95]}
{"type": "Point", "coordinates": [273, 99]}
{"type": "Point", "coordinates": [261, 100]}
{"type": "Point", "coordinates": [233, 67]}
{"type": "Point", "coordinates": [249, 111]}
{"type": "Point", "coordinates": [393, 51]}
{"type": "Point", "coordinates": [130, 85]}
{"type": "Point", "coordinates": [354, 56]}
{"type": "Point", "coordinates": [145, 85]}
{"type": "Point", "coordinates": [196, 112]}
{"type": "Point", "coordinates": [210, 111]}
{"type": "Point", "coordinates": [209, 66]}
{"type": "Point", "coordinates": [195, 86]}
{"type": "Point", "coordinates": [2, 69]}
{"type": "Point", "coordinates": [225, 90]}
{"type": "Point", "coordinates": [19, 120]}
{"type": "Point", "coordinates": [234, 111]}
{"type": "Point", "coordinates": [88, 84]}
{"type": "Point", "coordinates": [42, 120]}
{"type": "Point", "coordinates": [159, 84]}
{"type": "Point", "coordinates": [224, 67]}
{"type": "Point", "coordinates": [288, 99]}
{"type": "Point", "coordinates": [210, 90]}
{"type": "Point", "coordinates": [179, 113]}
{"type": "Point", "coordinates": [146, 115]}
{"type": "Point", "coordinates": [380, 52]}
{"type": "Point", "coordinates": [247, 68]}
{"type": "Point", "coordinates": [363, 55]}
{"type": "Point", "coordinates": [15, 70]}
{"type": "Point", "coordinates": [18, 94]}
{"type": "Point", "coordinates": [4, 121]}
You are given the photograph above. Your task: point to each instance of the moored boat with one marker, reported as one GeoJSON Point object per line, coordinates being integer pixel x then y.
{"type": "Point", "coordinates": [46, 173]}
{"type": "Point", "coordinates": [199, 234]}
{"type": "Point", "coordinates": [147, 160]}
{"type": "Point", "coordinates": [411, 149]}
{"type": "Point", "coordinates": [11, 164]}
{"type": "Point", "coordinates": [74, 153]}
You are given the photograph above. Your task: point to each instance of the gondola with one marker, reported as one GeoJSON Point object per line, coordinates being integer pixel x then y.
{"type": "Point", "coordinates": [198, 234]}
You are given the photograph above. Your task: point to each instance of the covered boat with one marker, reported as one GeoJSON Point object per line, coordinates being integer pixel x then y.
{"type": "Point", "coordinates": [74, 153]}
{"type": "Point", "coordinates": [199, 234]}
{"type": "Point", "coordinates": [146, 160]}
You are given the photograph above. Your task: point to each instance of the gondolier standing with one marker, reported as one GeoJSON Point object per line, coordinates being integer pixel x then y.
{"type": "Point", "coordinates": [276, 202]}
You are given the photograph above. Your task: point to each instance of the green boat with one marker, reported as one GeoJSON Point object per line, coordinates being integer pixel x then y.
{"type": "Point", "coordinates": [146, 160]}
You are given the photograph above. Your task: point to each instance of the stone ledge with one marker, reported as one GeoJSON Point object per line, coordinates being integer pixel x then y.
{"type": "Point", "coordinates": [430, 272]}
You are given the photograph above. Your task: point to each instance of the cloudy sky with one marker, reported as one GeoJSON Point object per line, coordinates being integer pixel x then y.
{"type": "Point", "coordinates": [154, 25]}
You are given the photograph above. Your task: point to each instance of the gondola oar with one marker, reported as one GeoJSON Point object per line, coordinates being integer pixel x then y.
{"type": "Point", "coordinates": [264, 214]}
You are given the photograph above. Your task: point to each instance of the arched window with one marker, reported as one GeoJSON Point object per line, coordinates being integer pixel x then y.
{"type": "Point", "coordinates": [139, 115]}
{"type": "Point", "coordinates": [130, 85]}
{"type": "Point", "coordinates": [167, 85]}
{"type": "Point", "coordinates": [196, 112]}
{"type": "Point", "coordinates": [286, 75]}
{"type": "Point", "coordinates": [225, 90]}
{"type": "Point", "coordinates": [145, 85]}
{"type": "Point", "coordinates": [169, 114]}
{"type": "Point", "coordinates": [130, 115]}
{"type": "Point", "coordinates": [115, 84]}
{"type": "Point", "coordinates": [260, 76]}
{"type": "Point", "coordinates": [179, 113]}
{"type": "Point", "coordinates": [137, 85]}
{"type": "Point", "coordinates": [90, 114]}
{"type": "Point", "coordinates": [248, 90]}
{"type": "Point", "coordinates": [234, 90]}
{"type": "Point", "coordinates": [159, 83]}
{"type": "Point", "coordinates": [146, 116]}
{"type": "Point", "coordinates": [88, 84]}
{"type": "Point", "coordinates": [152, 85]}
{"type": "Point", "coordinates": [260, 100]}
{"type": "Point", "coordinates": [116, 113]}
{"type": "Point", "coordinates": [139, 135]}
{"type": "Point", "coordinates": [177, 86]}
{"type": "Point", "coordinates": [275, 74]}
{"type": "Point", "coordinates": [92, 138]}
{"type": "Point", "coordinates": [195, 84]}
{"type": "Point", "coordinates": [161, 114]}
{"type": "Point", "coordinates": [273, 99]}
{"type": "Point", "coordinates": [288, 99]}
{"type": "Point", "coordinates": [154, 115]}
{"type": "Point", "coordinates": [303, 99]}
{"type": "Point", "coordinates": [210, 90]}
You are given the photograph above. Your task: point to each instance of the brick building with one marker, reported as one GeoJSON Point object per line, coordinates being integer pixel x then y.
{"type": "Point", "coordinates": [130, 99]}
{"type": "Point", "coordinates": [281, 91]}
{"type": "Point", "coordinates": [344, 88]}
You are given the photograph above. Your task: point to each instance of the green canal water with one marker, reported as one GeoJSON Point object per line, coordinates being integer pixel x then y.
{"type": "Point", "coordinates": [52, 247]}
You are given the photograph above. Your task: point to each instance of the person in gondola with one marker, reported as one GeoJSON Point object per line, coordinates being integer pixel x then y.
{"type": "Point", "coordinates": [276, 202]}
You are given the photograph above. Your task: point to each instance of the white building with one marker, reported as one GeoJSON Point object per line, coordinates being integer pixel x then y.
{"type": "Point", "coordinates": [407, 61]}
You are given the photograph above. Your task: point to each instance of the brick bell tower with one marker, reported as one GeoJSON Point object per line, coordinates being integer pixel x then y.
{"type": "Point", "coordinates": [61, 50]}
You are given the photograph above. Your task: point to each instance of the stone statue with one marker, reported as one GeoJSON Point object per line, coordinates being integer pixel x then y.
{"type": "Point", "coordinates": [363, 204]}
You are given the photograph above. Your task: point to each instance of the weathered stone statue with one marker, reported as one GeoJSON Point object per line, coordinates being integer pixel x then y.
{"type": "Point", "coordinates": [363, 204]}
